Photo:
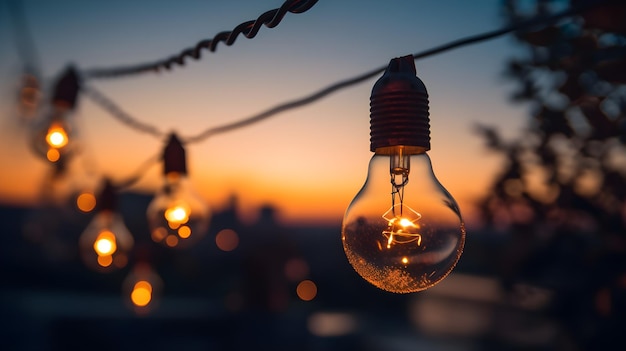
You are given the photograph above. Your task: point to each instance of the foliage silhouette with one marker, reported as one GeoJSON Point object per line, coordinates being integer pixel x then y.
{"type": "Point", "coordinates": [561, 194]}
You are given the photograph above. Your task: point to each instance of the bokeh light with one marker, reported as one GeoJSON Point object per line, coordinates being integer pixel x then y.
{"type": "Point", "coordinates": [85, 202]}
{"type": "Point", "coordinates": [306, 290]}
{"type": "Point", "coordinates": [227, 240]}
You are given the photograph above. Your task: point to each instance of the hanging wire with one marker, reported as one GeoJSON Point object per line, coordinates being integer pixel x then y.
{"type": "Point", "coordinates": [375, 72]}
{"type": "Point", "coordinates": [119, 114]}
{"type": "Point", "coordinates": [141, 170]}
{"type": "Point", "coordinates": [249, 29]}
{"type": "Point", "coordinates": [207, 133]}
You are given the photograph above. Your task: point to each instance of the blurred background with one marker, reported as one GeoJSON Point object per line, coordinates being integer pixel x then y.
{"type": "Point", "coordinates": [528, 134]}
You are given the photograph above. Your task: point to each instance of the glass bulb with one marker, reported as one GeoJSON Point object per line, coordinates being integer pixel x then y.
{"type": "Point", "coordinates": [53, 134]}
{"type": "Point", "coordinates": [29, 96]}
{"type": "Point", "coordinates": [106, 242]}
{"type": "Point", "coordinates": [177, 216]}
{"type": "Point", "coordinates": [142, 288]}
{"type": "Point", "coordinates": [403, 232]}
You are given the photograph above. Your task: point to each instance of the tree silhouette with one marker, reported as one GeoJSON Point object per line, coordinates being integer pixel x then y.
{"type": "Point", "coordinates": [561, 195]}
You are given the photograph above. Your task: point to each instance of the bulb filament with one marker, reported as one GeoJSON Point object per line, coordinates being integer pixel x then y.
{"type": "Point", "coordinates": [401, 228]}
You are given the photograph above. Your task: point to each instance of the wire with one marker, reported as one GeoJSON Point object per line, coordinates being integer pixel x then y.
{"type": "Point", "coordinates": [365, 76]}
{"type": "Point", "coordinates": [249, 29]}
{"type": "Point", "coordinates": [345, 83]}
{"type": "Point", "coordinates": [139, 172]}
{"type": "Point", "coordinates": [119, 114]}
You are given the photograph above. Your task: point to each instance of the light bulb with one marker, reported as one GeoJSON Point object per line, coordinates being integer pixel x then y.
{"type": "Point", "coordinates": [403, 232]}
{"type": "Point", "coordinates": [142, 288]}
{"type": "Point", "coordinates": [29, 95]}
{"type": "Point", "coordinates": [106, 242]}
{"type": "Point", "coordinates": [178, 217]}
{"type": "Point", "coordinates": [53, 133]}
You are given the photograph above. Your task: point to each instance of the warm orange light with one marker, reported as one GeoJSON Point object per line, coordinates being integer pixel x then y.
{"type": "Point", "coordinates": [159, 234]}
{"type": "Point", "coordinates": [406, 222]}
{"type": "Point", "coordinates": [141, 294]}
{"type": "Point", "coordinates": [405, 260]}
{"type": "Point", "coordinates": [53, 155]}
{"type": "Point", "coordinates": [306, 290]}
{"type": "Point", "coordinates": [184, 232]}
{"type": "Point", "coordinates": [227, 240]}
{"type": "Point", "coordinates": [177, 214]}
{"type": "Point", "coordinates": [105, 260]}
{"type": "Point", "coordinates": [85, 201]}
{"type": "Point", "coordinates": [105, 243]}
{"type": "Point", "coordinates": [171, 240]}
{"type": "Point", "coordinates": [56, 137]}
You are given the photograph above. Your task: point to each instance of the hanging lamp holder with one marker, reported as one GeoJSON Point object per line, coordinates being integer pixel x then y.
{"type": "Point", "coordinates": [399, 109]}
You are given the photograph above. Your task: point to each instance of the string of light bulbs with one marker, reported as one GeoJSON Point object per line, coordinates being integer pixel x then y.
{"type": "Point", "coordinates": [398, 238]}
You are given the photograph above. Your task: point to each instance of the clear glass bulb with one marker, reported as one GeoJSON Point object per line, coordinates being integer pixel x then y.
{"type": "Point", "coordinates": [52, 135]}
{"type": "Point", "coordinates": [29, 96]}
{"type": "Point", "coordinates": [142, 288]}
{"type": "Point", "coordinates": [106, 242]}
{"type": "Point", "coordinates": [178, 216]}
{"type": "Point", "coordinates": [403, 232]}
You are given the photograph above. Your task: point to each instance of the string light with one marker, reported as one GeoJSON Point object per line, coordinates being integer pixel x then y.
{"type": "Point", "coordinates": [411, 240]}
{"type": "Point", "coordinates": [142, 288]}
{"type": "Point", "coordinates": [401, 224]}
{"type": "Point", "coordinates": [53, 132]}
{"type": "Point", "coordinates": [106, 242]}
{"type": "Point", "coordinates": [177, 216]}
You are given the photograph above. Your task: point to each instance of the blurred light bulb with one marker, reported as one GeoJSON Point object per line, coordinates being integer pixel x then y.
{"type": "Point", "coordinates": [177, 216]}
{"type": "Point", "coordinates": [53, 132]}
{"type": "Point", "coordinates": [29, 96]}
{"type": "Point", "coordinates": [142, 288]}
{"type": "Point", "coordinates": [106, 242]}
{"type": "Point", "coordinates": [403, 232]}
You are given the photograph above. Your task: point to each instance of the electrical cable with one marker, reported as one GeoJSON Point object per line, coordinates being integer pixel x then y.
{"type": "Point", "coordinates": [119, 114]}
{"type": "Point", "coordinates": [290, 105]}
{"type": "Point", "coordinates": [249, 29]}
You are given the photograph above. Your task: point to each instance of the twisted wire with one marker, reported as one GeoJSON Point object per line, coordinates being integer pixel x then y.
{"type": "Point", "coordinates": [249, 29]}
{"type": "Point", "coordinates": [209, 132]}
{"type": "Point", "coordinates": [375, 72]}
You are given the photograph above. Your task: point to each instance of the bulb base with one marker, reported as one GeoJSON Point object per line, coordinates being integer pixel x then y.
{"type": "Point", "coordinates": [66, 89]}
{"type": "Point", "coordinates": [399, 108]}
{"type": "Point", "coordinates": [174, 158]}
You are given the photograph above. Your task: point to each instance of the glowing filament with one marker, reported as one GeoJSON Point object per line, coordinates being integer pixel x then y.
{"type": "Point", "coordinates": [56, 137]}
{"type": "Point", "coordinates": [177, 215]}
{"type": "Point", "coordinates": [141, 294]}
{"type": "Point", "coordinates": [402, 230]}
{"type": "Point", "coordinates": [105, 244]}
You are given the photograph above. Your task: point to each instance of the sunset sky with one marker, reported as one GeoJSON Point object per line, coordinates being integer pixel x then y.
{"type": "Point", "coordinates": [309, 162]}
